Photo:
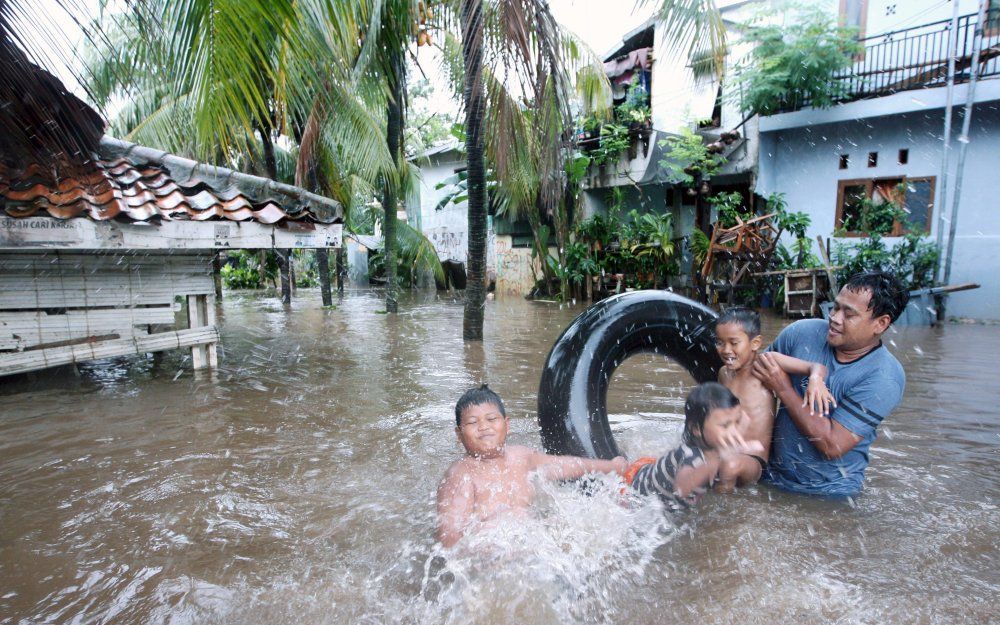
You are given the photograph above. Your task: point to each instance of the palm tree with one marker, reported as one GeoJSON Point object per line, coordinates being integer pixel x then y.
{"type": "Point", "coordinates": [472, 55]}
{"type": "Point", "coordinates": [314, 64]}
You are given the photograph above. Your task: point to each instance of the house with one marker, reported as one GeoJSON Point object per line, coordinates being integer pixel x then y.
{"type": "Point", "coordinates": [885, 138]}
{"type": "Point", "coordinates": [103, 242]}
{"type": "Point", "coordinates": [678, 98]}
{"type": "Point", "coordinates": [445, 222]}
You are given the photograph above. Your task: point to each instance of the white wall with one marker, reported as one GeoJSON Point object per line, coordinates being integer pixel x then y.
{"type": "Point", "coordinates": [889, 15]}
{"type": "Point", "coordinates": [447, 228]}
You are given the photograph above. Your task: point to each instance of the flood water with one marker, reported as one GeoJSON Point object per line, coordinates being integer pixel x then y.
{"type": "Point", "coordinates": [296, 484]}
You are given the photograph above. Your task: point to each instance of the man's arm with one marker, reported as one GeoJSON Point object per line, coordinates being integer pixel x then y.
{"type": "Point", "coordinates": [830, 438]}
{"type": "Point", "coordinates": [454, 506]}
{"type": "Point", "coordinates": [570, 467]}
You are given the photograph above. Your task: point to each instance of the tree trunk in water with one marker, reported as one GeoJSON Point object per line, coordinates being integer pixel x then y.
{"type": "Point", "coordinates": [286, 284]}
{"type": "Point", "coordinates": [262, 261]}
{"type": "Point", "coordinates": [394, 139]}
{"type": "Point", "coordinates": [323, 263]}
{"type": "Point", "coordinates": [284, 256]}
{"type": "Point", "coordinates": [472, 55]}
{"type": "Point", "coordinates": [217, 275]}
{"type": "Point", "coordinates": [340, 269]}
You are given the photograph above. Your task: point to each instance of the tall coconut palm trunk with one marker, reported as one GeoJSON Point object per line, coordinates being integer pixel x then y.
{"type": "Point", "coordinates": [284, 255]}
{"type": "Point", "coordinates": [390, 196]}
{"type": "Point", "coordinates": [472, 54]}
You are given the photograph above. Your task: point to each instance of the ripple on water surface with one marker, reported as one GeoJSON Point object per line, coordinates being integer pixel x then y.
{"type": "Point", "coordinates": [297, 483]}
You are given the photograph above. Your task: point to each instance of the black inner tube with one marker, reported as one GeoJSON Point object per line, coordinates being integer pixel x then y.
{"type": "Point", "coordinates": [573, 393]}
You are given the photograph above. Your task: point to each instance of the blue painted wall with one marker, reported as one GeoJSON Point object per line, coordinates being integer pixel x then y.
{"type": "Point", "coordinates": [802, 163]}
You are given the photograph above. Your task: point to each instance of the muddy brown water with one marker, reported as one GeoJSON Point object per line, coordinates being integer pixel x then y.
{"type": "Point", "coordinates": [295, 484]}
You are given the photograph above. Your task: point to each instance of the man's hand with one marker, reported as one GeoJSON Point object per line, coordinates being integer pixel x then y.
{"type": "Point", "coordinates": [766, 369]}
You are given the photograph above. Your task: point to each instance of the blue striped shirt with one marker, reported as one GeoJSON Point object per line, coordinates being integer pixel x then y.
{"type": "Point", "coordinates": [866, 390]}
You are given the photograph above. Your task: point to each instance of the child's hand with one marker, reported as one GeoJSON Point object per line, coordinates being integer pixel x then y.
{"type": "Point", "coordinates": [621, 465]}
{"type": "Point", "coordinates": [735, 445]}
{"type": "Point", "coordinates": [818, 397]}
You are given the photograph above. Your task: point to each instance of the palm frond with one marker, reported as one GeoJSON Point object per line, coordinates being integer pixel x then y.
{"type": "Point", "coordinates": [693, 30]}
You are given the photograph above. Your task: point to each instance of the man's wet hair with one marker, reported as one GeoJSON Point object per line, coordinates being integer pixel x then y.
{"type": "Point", "coordinates": [889, 296]}
{"type": "Point", "coordinates": [747, 319]}
{"type": "Point", "coordinates": [703, 399]}
{"type": "Point", "coordinates": [476, 397]}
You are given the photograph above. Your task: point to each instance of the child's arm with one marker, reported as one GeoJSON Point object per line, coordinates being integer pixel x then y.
{"type": "Point", "coordinates": [689, 478]}
{"type": "Point", "coordinates": [818, 397]}
{"type": "Point", "coordinates": [570, 467]}
{"type": "Point", "coordinates": [454, 506]}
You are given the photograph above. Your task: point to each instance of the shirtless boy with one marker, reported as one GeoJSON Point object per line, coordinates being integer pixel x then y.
{"type": "Point", "coordinates": [738, 341]}
{"type": "Point", "coordinates": [493, 479]}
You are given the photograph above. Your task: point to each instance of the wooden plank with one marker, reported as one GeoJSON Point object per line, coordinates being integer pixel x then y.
{"type": "Point", "coordinates": [23, 362]}
{"type": "Point", "coordinates": [48, 233]}
{"type": "Point", "coordinates": [23, 329]}
{"type": "Point", "coordinates": [79, 280]}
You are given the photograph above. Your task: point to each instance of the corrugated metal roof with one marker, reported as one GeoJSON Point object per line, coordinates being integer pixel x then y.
{"type": "Point", "coordinates": [449, 146]}
{"type": "Point", "coordinates": [135, 183]}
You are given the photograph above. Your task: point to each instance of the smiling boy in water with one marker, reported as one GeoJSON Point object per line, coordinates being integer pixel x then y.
{"type": "Point", "coordinates": [738, 341]}
{"type": "Point", "coordinates": [493, 479]}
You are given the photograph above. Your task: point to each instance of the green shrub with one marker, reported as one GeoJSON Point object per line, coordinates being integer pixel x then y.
{"type": "Point", "coordinates": [794, 64]}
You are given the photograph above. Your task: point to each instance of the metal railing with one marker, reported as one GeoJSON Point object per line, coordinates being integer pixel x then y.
{"type": "Point", "coordinates": [917, 58]}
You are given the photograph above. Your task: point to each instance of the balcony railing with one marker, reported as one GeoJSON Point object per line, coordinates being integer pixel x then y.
{"type": "Point", "coordinates": [917, 58]}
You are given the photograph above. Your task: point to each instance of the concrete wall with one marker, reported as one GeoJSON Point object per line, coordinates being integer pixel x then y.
{"type": "Point", "coordinates": [803, 164]}
{"type": "Point", "coordinates": [514, 268]}
{"type": "Point", "coordinates": [447, 228]}
{"type": "Point", "coordinates": [889, 15]}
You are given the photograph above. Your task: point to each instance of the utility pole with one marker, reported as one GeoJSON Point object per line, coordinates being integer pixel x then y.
{"type": "Point", "coordinates": [943, 187]}
{"type": "Point", "coordinates": [977, 43]}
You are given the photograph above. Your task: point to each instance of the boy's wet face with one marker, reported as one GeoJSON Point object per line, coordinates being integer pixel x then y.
{"type": "Point", "coordinates": [483, 430]}
{"type": "Point", "coordinates": [722, 423]}
{"type": "Point", "coordinates": [735, 347]}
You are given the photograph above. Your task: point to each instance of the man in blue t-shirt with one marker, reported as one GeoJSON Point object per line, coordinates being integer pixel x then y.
{"type": "Point", "coordinates": [827, 455]}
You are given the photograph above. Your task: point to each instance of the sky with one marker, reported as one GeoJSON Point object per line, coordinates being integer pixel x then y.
{"type": "Point", "coordinates": [600, 23]}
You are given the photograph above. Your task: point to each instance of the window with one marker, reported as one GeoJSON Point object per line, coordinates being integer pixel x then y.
{"type": "Point", "coordinates": [992, 26]}
{"type": "Point", "coordinates": [854, 14]}
{"type": "Point", "coordinates": [845, 160]}
{"type": "Point", "coordinates": [873, 159]}
{"type": "Point", "coordinates": [904, 156]}
{"type": "Point", "coordinates": [914, 195]}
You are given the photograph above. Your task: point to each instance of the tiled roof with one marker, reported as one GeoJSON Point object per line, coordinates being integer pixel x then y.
{"type": "Point", "coordinates": [129, 182]}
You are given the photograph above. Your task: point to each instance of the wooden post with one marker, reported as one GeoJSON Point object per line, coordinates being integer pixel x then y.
{"type": "Point", "coordinates": [196, 319]}
{"type": "Point", "coordinates": [211, 349]}
{"type": "Point", "coordinates": [340, 270]}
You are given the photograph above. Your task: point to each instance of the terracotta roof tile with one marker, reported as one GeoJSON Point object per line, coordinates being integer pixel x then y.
{"type": "Point", "coordinates": [130, 182]}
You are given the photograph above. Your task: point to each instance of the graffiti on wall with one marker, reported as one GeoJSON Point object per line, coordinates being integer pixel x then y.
{"type": "Point", "coordinates": [449, 243]}
{"type": "Point", "coordinates": [513, 268]}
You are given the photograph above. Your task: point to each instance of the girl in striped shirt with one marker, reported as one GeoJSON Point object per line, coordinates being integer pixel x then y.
{"type": "Point", "coordinates": [714, 424]}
